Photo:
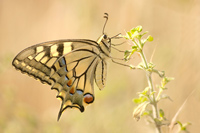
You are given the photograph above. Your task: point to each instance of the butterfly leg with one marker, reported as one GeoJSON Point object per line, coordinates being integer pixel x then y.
{"type": "Point", "coordinates": [120, 63]}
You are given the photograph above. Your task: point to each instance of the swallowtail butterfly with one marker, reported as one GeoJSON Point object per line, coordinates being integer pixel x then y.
{"type": "Point", "coordinates": [70, 66]}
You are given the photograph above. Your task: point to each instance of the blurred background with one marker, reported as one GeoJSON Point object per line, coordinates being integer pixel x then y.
{"type": "Point", "coordinates": [26, 105]}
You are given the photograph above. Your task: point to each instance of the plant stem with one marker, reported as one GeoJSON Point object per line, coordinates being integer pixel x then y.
{"type": "Point", "coordinates": [153, 100]}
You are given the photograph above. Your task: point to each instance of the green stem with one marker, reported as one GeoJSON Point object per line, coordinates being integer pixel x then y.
{"type": "Point", "coordinates": [158, 95]}
{"type": "Point", "coordinates": [150, 83]}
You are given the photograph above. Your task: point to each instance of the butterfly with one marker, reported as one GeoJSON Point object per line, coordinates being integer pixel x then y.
{"type": "Point", "coordinates": [70, 66]}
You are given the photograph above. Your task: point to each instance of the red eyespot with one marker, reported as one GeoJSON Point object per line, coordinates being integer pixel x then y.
{"type": "Point", "coordinates": [88, 98]}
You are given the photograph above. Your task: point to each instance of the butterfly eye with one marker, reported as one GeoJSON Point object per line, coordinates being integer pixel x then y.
{"type": "Point", "coordinates": [105, 36]}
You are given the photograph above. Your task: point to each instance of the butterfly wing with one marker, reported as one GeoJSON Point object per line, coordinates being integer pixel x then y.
{"type": "Point", "coordinates": [100, 74]}
{"type": "Point", "coordinates": [37, 60]}
{"type": "Point", "coordinates": [73, 75]}
{"type": "Point", "coordinates": [69, 66]}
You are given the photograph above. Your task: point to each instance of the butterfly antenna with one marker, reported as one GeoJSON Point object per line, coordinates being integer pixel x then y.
{"type": "Point", "coordinates": [119, 63]}
{"type": "Point", "coordinates": [106, 17]}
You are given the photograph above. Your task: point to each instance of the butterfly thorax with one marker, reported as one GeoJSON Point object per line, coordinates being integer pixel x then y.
{"type": "Point", "coordinates": [104, 45]}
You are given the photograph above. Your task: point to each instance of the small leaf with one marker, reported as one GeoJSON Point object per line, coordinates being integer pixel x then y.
{"type": "Point", "coordinates": [139, 36]}
{"type": "Point", "coordinates": [151, 65]}
{"type": "Point", "coordinates": [183, 127]}
{"type": "Point", "coordinates": [150, 38]}
{"type": "Point", "coordinates": [146, 113]}
{"type": "Point", "coordinates": [127, 52]}
{"type": "Point", "coordinates": [129, 35]}
{"type": "Point", "coordinates": [180, 124]}
{"type": "Point", "coordinates": [132, 67]}
{"type": "Point", "coordinates": [137, 100]}
{"type": "Point", "coordinates": [145, 91]}
{"type": "Point", "coordinates": [144, 33]}
{"type": "Point", "coordinates": [134, 50]}
{"type": "Point", "coordinates": [165, 80]}
{"type": "Point", "coordinates": [134, 47]}
{"type": "Point", "coordinates": [133, 30]}
{"type": "Point", "coordinates": [127, 55]}
{"type": "Point", "coordinates": [135, 35]}
{"type": "Point", "coordinates": [138, 28]}
{"type": "Point", "coordinates": [162, 114]}
{"type": "Point", "coordinates": [124, 36]}
{"type": "Point", "coordinates": [140, 100]}
{"type": "Point", "coordinates": [152, 93]}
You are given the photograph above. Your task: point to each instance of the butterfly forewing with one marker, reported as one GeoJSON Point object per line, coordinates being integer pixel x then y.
{"type": "Point", "coordinates": [69, 66]}
{"type": "Point", "coordinates": [37, 60]}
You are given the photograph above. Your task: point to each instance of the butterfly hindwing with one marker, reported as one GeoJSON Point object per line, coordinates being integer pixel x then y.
{"type": "Point", "coordinates": [73, 75]}
{"type": "Point", "coordinates": [100, 74]}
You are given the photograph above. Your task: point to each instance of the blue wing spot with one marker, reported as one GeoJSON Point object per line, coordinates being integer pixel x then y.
{"type": "Point", "coordinates": [62, 62]}
{"type": "Point", "coordinates": [79, 92]}
{"type": "Point", "coordinates": [65, 69]}
{"type": "Point", "coordinates": [66, 78]}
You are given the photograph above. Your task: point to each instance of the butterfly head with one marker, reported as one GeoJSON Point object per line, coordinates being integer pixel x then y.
{"type": "Point", "coordinates": [104, 43]}
{"type": "Point", "coordinates": [107, 41]}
